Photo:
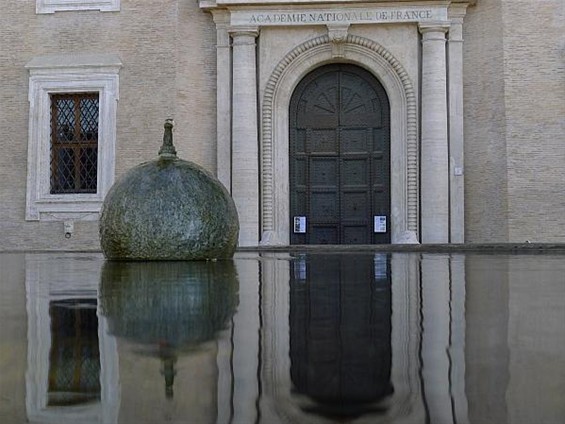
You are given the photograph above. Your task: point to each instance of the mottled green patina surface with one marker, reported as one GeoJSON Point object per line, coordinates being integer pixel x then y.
{"type": "Point", "coordinates": [168, 209]}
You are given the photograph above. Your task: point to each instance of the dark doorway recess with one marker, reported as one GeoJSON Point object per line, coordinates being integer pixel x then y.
{"type": "Point", "coordinates": [339, 158]}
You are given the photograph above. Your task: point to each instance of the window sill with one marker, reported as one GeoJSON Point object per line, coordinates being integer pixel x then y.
{"type": "Point", "coordinates": [52, 6]}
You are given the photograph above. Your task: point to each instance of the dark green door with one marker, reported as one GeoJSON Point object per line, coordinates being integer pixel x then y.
{"type": "Point", "coordinates": [339, 158]}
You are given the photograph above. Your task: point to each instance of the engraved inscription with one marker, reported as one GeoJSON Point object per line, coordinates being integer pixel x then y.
{"type": "Point", "coordinates": [329, 16]}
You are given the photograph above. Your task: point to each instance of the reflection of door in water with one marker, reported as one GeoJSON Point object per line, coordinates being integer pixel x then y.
{"type": "Point", "coordinates": [340, 158]}
{"type": "Point", "coordinates": [340, 333]}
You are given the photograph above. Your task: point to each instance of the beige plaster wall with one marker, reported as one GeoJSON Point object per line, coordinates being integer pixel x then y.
{"type": "Point", "coordinates": [484, 125]}
{"type": "Point", "coordinates": [534, 76]}
{"type": "Point", "coordinates": [195, 109]}
{"type": "Point", "coordinates": [167, 48]}
{"type": "Point", "coordinates": [514, 77]}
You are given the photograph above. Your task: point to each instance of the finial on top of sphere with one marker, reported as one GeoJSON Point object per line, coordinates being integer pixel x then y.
{"type": "Point", "coordinates": [168, 150]}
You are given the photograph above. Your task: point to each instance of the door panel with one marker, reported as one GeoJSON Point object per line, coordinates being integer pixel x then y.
{"type": "Point", "coordinates": [322, 141]}
{"type": "Point", "coordinates": [355, 140]}
{"type": "Point", "coordinates": [324, 206]}
{"type": "Point", "coordinates": [324, 234]}
{"type": "Point", "coordinates": [324, 171]}
{"type": "Point", "coordinates": [339, 157]}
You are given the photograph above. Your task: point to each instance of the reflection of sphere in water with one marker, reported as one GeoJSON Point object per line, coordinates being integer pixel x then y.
{"type": "Point", "coordinates": [168, 209]}
{"type": "Point", "coordinates": [174, 304]}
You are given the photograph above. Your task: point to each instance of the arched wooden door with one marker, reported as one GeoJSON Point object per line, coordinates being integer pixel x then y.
{"type": "Point", "coordinates": [339, 158]}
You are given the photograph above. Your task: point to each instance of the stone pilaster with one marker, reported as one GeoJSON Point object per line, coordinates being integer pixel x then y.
{"type": "Point", "coordinates": [434, 137]}
{"type": "Point", "coordinates": [223, 98]}
{"type": "Point", "coordinates": [245, 145]}
{"type": "Point", "coordinates": [456, 141]}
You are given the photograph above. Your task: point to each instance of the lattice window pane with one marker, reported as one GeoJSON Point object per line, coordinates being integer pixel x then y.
{"type": "Point", "coordinates": [74, 142]}
{"type": "Point", "coordinates": [65, 169]}
{"type": "Point", "coordinates": [88, 161]}
{"type": "Point", "coordinates": [89, 119]}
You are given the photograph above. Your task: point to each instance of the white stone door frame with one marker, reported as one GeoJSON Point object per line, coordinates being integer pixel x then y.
{"type": "Point", "coordinates": [275, 131]}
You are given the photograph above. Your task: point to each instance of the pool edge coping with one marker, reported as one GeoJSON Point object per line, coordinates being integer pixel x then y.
{"type": "Point", "coordinates": [418, 248]}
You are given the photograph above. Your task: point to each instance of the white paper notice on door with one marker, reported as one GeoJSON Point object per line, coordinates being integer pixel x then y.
{"type": "Point", "coordinates": [380, 224]}
{"type": "Point", "coordinates": [300, 224]}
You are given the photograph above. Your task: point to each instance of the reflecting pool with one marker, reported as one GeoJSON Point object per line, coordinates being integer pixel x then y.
{"type": "Point", "coordinates": [272, 338]}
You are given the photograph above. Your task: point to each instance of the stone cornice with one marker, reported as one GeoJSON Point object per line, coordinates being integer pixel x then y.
{"type": "Point", "coordinates": [313, 2]}
{"type": "Point", "coordinates": [212, 4]}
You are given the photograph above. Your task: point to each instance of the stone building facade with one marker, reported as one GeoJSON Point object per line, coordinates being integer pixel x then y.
{"type": "Point", "coordinates": [328, 121]}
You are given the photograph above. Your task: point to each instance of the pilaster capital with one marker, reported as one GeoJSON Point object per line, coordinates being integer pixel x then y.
{"type": "Point", "coordinates": [457, 12]}
{"type": "Point", "coordinates": [433, 27]}
{"type": "Point", "coordinates": [221, 17]}
{"type": "Point", "coordinates": [433, 31]}
{"type": "Point", "coordinates": [243, 32]}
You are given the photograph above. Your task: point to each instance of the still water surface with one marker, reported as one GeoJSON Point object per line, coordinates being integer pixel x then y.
{"type": "Point", "coordinates": [283, 338]}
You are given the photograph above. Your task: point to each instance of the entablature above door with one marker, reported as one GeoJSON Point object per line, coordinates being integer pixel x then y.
{"type": "Point", "coordinates": [262, 13]}
{"type": "Point", "coordinates": [218, 3]}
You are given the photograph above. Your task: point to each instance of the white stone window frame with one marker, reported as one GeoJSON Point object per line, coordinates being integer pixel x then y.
{"type": "Point", "coordinates": [69, 74]}
{"type": "Point", "coordinates": [52, 6]}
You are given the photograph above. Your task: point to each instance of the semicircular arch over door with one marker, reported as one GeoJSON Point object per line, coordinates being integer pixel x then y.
{"type": "Point", "coordinates": [339, 158]}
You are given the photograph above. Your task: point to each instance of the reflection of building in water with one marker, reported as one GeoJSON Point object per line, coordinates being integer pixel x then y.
{"type": "Point", "coordinates": [340, 347]}
{"type": "Point", "coordinates": [72, 373]}
{"type": "Point", "coordinates": [458, 341]}
{"type": "Point", "coordinates": [74, 359]}
{"type": "Point", "coordinates": [171, 311]}
{"type": "Point", "coordinates": [369, 338]}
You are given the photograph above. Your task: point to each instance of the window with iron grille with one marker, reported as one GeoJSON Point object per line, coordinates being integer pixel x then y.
{"type": "Point", "coordinates": [74, 143]}
{"type": "Point", "coordinates": [73, 101]}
